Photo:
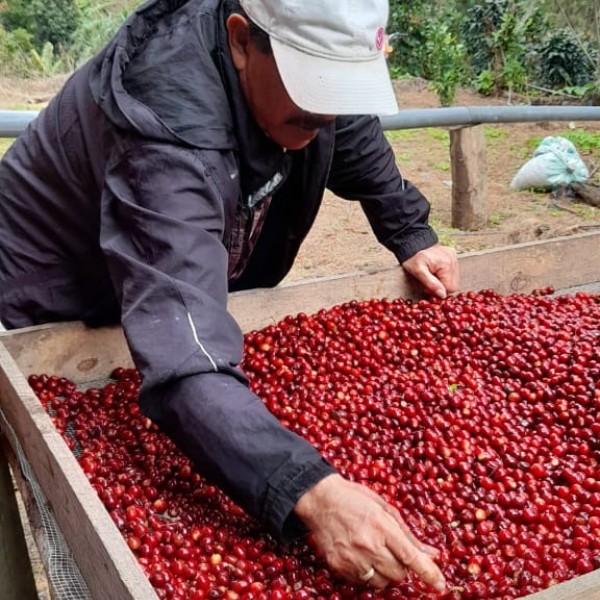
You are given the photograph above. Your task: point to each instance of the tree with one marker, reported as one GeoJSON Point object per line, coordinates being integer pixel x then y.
{"type": "Point", "coordinates": [51, 21]}
{"type": "Point", "coordinates": [407, 30]}
{"type": "Point", "coordinates": [501, 37]}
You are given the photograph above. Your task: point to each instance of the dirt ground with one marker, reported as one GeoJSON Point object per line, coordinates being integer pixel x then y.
{"type": "Point", "coordinates": [341, 240]}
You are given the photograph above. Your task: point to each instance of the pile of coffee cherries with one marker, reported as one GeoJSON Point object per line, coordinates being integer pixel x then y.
{"type": "Point", "coordinates": [476, 416]}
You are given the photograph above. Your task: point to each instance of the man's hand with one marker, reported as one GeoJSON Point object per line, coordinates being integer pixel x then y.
{"type": "Point", "coordinates": [436, 268]}
{"type": "Point", "coordinates": [356, 530]}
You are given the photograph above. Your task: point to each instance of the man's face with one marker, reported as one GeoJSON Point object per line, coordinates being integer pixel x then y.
{"type": "Point", "coordinates": [268, 101]}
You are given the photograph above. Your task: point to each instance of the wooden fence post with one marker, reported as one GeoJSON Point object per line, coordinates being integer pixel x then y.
{"type": "Point", "coordinates": [469, 188]}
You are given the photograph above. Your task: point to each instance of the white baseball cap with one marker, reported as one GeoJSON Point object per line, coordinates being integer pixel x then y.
{"type": "Point", "coordinates": [329, 53]}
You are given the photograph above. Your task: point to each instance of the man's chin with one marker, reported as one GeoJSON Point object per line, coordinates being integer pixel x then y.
{"type": "Point", "coordinates": [299, 141]}
{"type": "Point", "coordinates": [296, 139]}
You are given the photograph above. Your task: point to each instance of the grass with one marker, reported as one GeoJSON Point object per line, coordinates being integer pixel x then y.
{"type": "Point", "coordinates": [4, 144]}
{"type": "Point", "coordinates": [586, 212]}
{"type": "Point", "coordinates": [522, 152]}
{"type": "Point", "coordinates": [495, 219]}
{"type": "Point", "coordinates": [400, 135]}
{"type": "Point", "coordinates": [445, 234]}
{"type": "Point", "coordinates": [403, 135]}
{"type": "Point", "coordinates": [443, 135]}
{"type": "Point", "coordinates": [443, 165]}
{"type": "Point", "coordinates": [26, 107]}
{"type": "Point", "coordinates": [585, 141]}
{"type": "Point", "coordinates": [494, 133]}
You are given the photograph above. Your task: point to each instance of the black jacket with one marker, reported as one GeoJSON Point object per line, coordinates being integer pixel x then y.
{"type": "Point", "coordinates": [122, 201]}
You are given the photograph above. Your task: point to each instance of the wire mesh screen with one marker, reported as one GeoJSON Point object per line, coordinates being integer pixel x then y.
{"type": "Point", "coordinates": [65, 579]}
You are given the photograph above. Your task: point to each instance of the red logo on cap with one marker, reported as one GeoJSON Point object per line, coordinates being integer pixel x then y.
{"type": "Point", "coordinates": [379, 38]}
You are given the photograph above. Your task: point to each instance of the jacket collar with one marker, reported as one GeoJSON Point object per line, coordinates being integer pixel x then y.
{"type": "Point", "coordinates": [177, 49]}
{"type": "Point", "coordinates": [263, 163]}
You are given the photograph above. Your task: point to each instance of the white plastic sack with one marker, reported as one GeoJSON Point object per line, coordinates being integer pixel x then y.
{"type": "Point", "coordinates": [555, 162]}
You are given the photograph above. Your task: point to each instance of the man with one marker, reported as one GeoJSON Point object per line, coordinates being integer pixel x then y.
{"type": "Point", "coordinates": [188, 159]}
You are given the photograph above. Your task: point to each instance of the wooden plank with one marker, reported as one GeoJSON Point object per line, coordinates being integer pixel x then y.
{"type": "Point", "coordinates": [108, 566]}
{"type": "Point", "coordinates": [16, 576]}
{"type": "Point", "coordinates": [561, 263]}
{"type": "Point", "coordinates": [584, 587]}
{"type": "Point", "coordinates": [84, 354]}
{"type": "Point", "coordinates": [469, 181]}
{"type": "Point", "coordinates": [77, 352]}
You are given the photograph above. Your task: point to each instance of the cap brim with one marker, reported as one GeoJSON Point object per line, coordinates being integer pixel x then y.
{"type": "Point", "coordinates": [328, 87]}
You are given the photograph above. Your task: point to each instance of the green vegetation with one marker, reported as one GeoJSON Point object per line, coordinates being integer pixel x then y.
{"type": "Point", "coordinates": [496, 219]}
{"type": "Point", "coordinates": [442, 165]}
{"type": "Point", "coordinates": [587, 213]}
{"type": "Point", "coordinates": [493, 133]}
{"type": "Point", "coordinates": [587, 142]}
{"type": "Point", "coordinates": [442, 135]}
{"type": "Point", "coordinates": [4, 145]}
{"type": "Point", "coordinates": [521, 46]}
{"type": "Point", "coordinates": [45, 37]}
{"type": "Point", "coordinates": [564, 61]}
{"type": "Point", "coordinates": [400, 135]}
{"type": "Point", "coordinates": [446, 235]}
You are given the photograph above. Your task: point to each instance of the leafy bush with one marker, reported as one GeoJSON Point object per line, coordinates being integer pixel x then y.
{"type": "Point", "coordinates": [43, 37]}
{"type": "Point", "coordinates": [407, 31]}
{"type": "Point", "coordinates": [427, 46]}
{"type": "Point", "coordinates": [482, 21]}
{"type": "Point", "coordinates": [446, 60]}
{"type": "Point", "coordinates": [98, 23]}
{"type": "Point", "coordinates": [564, 60]}
{"type": "Point", "coordinates": [15, 14]}
{"type": "Point", "coordinates": [46, 63]}
{"type": "Point", "coordinates": [484, 83]}
{"type": "Point", "coordinates": [500, 37]}
{"type": "Point", "coordinates": [51, 21]}
{"type": "Point", "coordinates": [15, 52]}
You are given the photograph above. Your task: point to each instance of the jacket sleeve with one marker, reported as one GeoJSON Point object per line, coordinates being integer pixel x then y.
{"type": "Point", "coordinates": [161, 233]}
{"type": "Point", "coordinates": [364, 168]}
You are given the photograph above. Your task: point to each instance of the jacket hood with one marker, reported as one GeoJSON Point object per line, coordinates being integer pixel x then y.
{"type": "Point", "coordinates": [160, 75]}
{"type": "Point", "coordinates": [168, 76]}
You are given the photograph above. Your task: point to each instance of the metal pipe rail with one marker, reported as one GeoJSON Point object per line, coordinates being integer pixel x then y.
{"type": "Point", "coordinates": [14, 122]}
{"type": "Point", "coordinates": [476, 115]}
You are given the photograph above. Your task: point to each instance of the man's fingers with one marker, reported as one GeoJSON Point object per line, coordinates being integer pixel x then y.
{"type": "Point", "coordinates": [436, 269]}
{"type": "Point", "coordinates": [419, 562]}
{"type": "Point", "coordinates": [394, 513]}
{"type": "Point", "coordinates": [434, 552]}
{"type": "Point", "coordinates": [387, 566]}
{"type": "Point", "coordinates": [427, 275]}
{"type": "Point", "coordinates": [379, 581]}
{"type": "Point", "coordinates": [430, 282]}
{"type": "Point", "coordinates": [429, 550]}
{"type": "Point", "coordinates": [449, 276]}
{"type": "Point", "coordinates": [362, 532]}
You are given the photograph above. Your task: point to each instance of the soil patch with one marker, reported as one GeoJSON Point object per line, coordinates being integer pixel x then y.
{"type": "Point", "coordinates": [341, 240]}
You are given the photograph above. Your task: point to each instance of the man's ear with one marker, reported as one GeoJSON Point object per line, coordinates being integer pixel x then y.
{"type": "Point", "coordinates": [238, 32]}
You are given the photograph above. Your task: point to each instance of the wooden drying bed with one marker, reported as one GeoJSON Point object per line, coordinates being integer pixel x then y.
{"type": "Point", "coordinates": [71, 350]}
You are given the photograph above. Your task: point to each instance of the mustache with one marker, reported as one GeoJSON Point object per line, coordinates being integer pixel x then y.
{"type": "Point", "coordinates": [309, 121]}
